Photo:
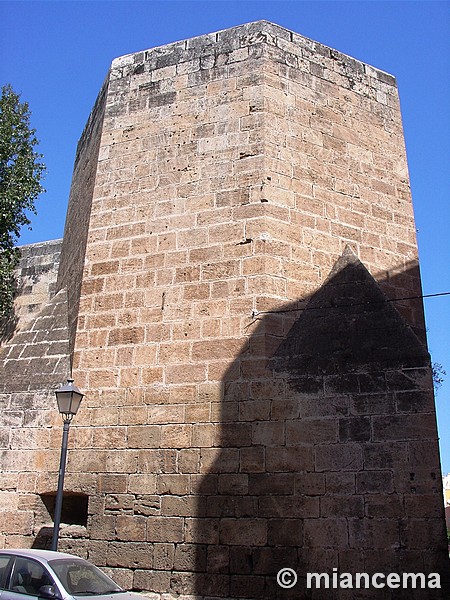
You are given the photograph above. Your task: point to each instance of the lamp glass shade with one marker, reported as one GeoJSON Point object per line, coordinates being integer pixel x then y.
{"type": "Point", "coordinates": [68, 398]}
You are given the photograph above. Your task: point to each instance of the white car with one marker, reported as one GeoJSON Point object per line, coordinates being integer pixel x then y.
{"type": "Point", "coordinates": [28, 574]}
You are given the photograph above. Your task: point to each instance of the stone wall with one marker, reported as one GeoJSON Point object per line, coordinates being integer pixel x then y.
{"type": "Point", "coordinates": [34, 360]}
{"type": "Point", "coordinates": [36, 276]}
{"type": "Point", "coordinates": [73, 250]}
{"type": "Point", "coordinates": [258, 392]}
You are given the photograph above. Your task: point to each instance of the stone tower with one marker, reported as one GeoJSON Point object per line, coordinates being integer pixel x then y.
{"type": "Point", "coordinates": [238, 296]}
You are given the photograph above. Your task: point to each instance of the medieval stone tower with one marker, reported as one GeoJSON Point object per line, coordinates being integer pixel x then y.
{"type": "Point", "coordinates": [238, 296]}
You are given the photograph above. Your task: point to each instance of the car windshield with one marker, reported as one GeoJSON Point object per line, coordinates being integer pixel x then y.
{"type": "Point", "coordinates": [81, 578]}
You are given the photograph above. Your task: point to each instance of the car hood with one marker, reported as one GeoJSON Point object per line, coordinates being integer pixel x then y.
{"type": "Point", "coordinates": [116, 596]}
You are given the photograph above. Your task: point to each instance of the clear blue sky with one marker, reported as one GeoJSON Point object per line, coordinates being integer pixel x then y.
{"type": "Point", "coordinates": [57, 55]}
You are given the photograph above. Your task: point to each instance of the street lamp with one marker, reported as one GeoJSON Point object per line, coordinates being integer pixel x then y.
{"type": "Point", "coordinates": [68, 398]}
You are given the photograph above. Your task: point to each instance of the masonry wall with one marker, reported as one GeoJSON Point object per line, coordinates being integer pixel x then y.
{"type": "Point", "coordinates": [76, 228]}
{"type": "Point", "coordinates": [247, 180]}
{"type": "Point", "coordinates": [33, 361]}
{"type": "Point", "coordinates": [36, 276]}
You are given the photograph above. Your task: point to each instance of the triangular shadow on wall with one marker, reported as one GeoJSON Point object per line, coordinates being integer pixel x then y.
{"type": "Point", "coordinates": [327, 443]}
{"type": "Point", "coordinates": [347, 323]}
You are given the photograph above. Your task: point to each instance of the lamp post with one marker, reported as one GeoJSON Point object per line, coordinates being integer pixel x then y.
{"type": "Point", "coordinates": [68, 398]}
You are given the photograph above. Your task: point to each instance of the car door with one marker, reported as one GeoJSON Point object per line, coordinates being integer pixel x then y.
{"type": "Point", "coordinates": [26, 580]}
{"type": "Point", "coordinates": [5, 568]}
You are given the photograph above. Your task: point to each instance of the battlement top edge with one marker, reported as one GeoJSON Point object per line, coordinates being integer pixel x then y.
{"type": "Point", "coordinates": [45, 245]}
{"type": "Point", "coordinates": [246, 34]}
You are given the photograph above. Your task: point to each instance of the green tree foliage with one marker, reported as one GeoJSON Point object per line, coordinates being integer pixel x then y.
{"type": "Point", "coordinates": [21, 172]}
{"type": "Point", "coordinates": [438, 375]}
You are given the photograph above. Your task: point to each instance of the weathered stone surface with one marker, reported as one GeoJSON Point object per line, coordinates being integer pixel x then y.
{"type": "Point", "coordinates": [258, 394]}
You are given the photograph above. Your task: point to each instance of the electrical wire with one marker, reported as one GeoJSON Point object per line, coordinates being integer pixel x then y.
{"type": "Point", "coordinates": [287, 310]}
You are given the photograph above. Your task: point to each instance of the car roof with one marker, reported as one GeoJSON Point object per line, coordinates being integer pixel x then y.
{"type": "Point", "coordinates": [34, 553]}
